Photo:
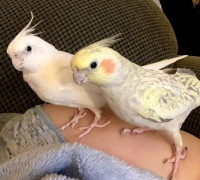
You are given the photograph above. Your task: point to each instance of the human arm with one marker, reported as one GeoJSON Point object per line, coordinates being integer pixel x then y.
{"type": "Point", "coordinates": [147, 150]}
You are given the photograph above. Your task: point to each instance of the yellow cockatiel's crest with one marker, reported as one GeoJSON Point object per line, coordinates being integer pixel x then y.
{"type": "Point", "coordinates": [90, 52]}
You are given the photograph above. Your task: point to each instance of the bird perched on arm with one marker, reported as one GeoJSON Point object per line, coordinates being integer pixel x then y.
{"type": "Point", "coordinates": [48, 72]}
{"type": "Point", "coordinates": [150, 99]}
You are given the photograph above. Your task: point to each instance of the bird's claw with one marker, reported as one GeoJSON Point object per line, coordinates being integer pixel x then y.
{"type": "Point", "coordinates": [177, 157]}
{"type": "Point", "coordinates": [91, 126]}
{"type": "Point", "coordinates": [80, 115]}
{"type": "Point", "coordinates": [136, 130]}
{"type": "Point", "coordinates": [75, 119]}
{"type": "Point", "coordinates": [95, 125]}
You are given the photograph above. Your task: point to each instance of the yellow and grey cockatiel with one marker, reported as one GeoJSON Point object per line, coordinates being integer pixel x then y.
{"type": "Point", "coordinates": [150, 99]}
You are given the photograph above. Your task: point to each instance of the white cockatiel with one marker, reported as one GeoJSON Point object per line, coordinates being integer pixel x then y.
{"type": "Point", "coordinates": [150, 99]}
{"type": "Point", "coordinates": [47, 71]}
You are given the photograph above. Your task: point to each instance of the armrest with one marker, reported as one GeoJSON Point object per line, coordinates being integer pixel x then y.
{"type": "Point", "coordinates": [192, 123]}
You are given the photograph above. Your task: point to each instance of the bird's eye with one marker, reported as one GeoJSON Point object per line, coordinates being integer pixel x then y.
{"type": "Point", "coordinates": [28, 48]}
{"type": "Point", "coordinates": [93, 65]}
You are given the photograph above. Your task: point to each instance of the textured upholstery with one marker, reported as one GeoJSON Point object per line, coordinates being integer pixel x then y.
{"type": "Point", "coordinates": [69, 25]}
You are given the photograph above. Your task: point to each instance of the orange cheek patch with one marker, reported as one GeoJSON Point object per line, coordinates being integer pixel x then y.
{"type": "Point", "coordinates": [108, 66]}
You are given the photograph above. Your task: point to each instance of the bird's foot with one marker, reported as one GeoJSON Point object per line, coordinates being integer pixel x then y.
{"type": "Point", "coordinates": [136, 130]}
{"type": "Point", "coordinates": [91, 126]}
{"type": "Point", "coordinates": [74, 121]}
{"type": "Point", "coordinates": [178, 155]}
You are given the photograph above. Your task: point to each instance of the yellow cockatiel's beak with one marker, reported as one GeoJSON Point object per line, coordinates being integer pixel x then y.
{"type": "Point", "coordinates": [78, 65]}
{"type": "Point", "coordinates": [79, 77]}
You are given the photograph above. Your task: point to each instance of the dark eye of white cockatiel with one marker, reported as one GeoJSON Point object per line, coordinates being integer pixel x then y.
{"type": "Point", "coordinates": [28, 48]}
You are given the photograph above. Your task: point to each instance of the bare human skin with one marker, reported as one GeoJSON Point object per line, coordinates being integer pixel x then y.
{"type": "Point", "coordinates": [147, 150]}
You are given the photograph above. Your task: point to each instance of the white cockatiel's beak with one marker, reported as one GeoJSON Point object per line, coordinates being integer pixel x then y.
{"type": "Point", "coordinates": [17, 61]}
{"type": "Point", "coordinates": [79, 77]}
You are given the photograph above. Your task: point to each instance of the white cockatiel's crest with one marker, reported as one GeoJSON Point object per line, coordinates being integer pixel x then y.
{"type": "Point", "coordinates": [28, 30]}
{"type": "Point", "coordinates": [26, 46]}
